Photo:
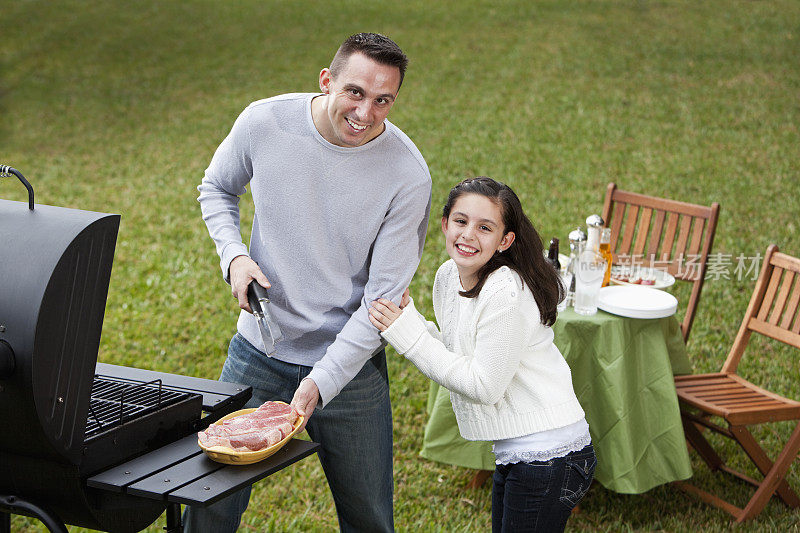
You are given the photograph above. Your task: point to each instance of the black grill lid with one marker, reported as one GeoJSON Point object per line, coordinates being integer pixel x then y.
{"type": "Point", "coordinates": [55, 267]}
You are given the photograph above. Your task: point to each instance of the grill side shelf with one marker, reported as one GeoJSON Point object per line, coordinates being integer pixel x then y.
{"type": "Point", "coordinates": [232, 478]}
{"type": "Point", "coordinates": [161, 484]}
{"type": "Point", "coordinates": [118, 478]}
{"type": "Point", "coordinates": [181, 473]}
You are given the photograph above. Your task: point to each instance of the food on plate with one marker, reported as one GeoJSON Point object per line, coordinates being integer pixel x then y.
{"type": "Point", "coordinates": [262, 428]}
{"type": "Point", "coordinates": [641, 276]}
{"type": "Point", "coordinates": [633, 278]}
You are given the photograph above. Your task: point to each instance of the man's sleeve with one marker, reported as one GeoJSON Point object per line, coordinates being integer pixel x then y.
{"type": "Point", "coordinates": [395, 256]}
{"type": "Point", "coordinates": [224, 182]}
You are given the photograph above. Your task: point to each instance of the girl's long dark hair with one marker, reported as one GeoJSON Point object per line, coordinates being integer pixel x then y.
{"type": "Point", "coordinates": [525, 255]}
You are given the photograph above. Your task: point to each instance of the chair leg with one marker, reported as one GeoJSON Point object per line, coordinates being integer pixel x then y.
{"type": "Point", "coordinates": [707, 497]}
{"type": "Point", "coordinates": [773, 478]}
{"type": "Point", "coordinates": [764, 464]}
{"type": "Point", "coordinates": [479, 479]}
{"type": "Point", "coordinates": [701, 445]}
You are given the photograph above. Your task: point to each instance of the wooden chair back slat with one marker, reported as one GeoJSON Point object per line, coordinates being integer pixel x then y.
{"type": "Point", "coordinates": [697, 236]}
{"type": "Point", "coordinates": [669, 237]}
{"type": "Point", "coordinates": [791, 312]}
{"type": "Point", "coordinates": [630, 227]}
{"type": "Point", "coordinates": [783, 294]}
{"type": "Point", "coordinates": [642, 229]}
{"type": "Point", "coordinates": [791, 308]}
{"type": "Point", "coordinates": [683, 235]}
{"type": "Point", "coordinates": [655, 239]}
{"type": "Point", "coordinates": [661, 233]}
{"type": "Point", "coordinates": [616, 227]}
{"type": "Point", "coordinates": [769, 296]}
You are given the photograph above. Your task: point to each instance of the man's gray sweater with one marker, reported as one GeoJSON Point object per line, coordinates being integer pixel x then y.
{"type": "Point", "coordinates": [334, 229]}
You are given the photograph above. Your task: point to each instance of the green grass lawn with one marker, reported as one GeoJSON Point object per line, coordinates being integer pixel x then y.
{"type": "Point", "coordinates": [119, 106]}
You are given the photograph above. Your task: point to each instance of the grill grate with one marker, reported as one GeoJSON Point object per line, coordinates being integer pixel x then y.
{"type": "Point", "coordinates": [114, 402]}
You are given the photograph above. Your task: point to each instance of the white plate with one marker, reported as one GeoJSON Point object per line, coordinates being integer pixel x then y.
{"type": "Point", "coordinates": [637, 302]}
{"type": "Point", "coordinates": [661, 279]}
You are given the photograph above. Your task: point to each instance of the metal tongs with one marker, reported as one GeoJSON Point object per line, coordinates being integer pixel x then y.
{"type": "Point", "coordinates": [259, 303]}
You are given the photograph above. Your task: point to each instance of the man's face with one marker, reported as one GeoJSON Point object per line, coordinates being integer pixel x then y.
{"type": "Point", "coordinates": [359, 99]}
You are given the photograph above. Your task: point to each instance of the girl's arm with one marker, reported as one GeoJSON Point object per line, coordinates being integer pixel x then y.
{"type": "Point", "coordinates": [499, 343]}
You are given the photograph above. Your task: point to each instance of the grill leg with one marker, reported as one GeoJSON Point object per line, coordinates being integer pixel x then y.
{"type": "Point", "coordinates": [48, 518]}
{"type": "Point", "coordinates": [174, 523]}
{"type": "Point", "coordinates": [5, 522]}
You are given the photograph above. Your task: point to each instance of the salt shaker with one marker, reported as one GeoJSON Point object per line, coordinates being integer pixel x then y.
{"type": "Point", "coordinates": [594, 225]}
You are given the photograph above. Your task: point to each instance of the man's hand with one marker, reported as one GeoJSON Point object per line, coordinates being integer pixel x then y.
{"type": "Point", "coordinates": [241, 272]}
{"type": "Point", "coordinates": [305, 399]}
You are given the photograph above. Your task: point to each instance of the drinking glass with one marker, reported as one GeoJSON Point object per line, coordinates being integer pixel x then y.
{"type": "Point", "coordinates": [589, 271]}
{"type": "Point", "coordinates": [566, 279]}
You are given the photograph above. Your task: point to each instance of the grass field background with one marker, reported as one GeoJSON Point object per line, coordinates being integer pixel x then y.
{"type": "Point", "coordinates": [118, 107]}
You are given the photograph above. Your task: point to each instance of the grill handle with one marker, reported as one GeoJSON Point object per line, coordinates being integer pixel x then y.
{"type": "Point", "coordinates": [130, 389]}
{"type": "Point", "coordinates": [7, 363]}
{"type": "Point", "coordinates": [7, 171]}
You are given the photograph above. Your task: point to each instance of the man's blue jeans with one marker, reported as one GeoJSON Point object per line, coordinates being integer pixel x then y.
{"type": "Point", "coordinates": [354, 430]}
{"type": "Point", "coordinates": [540, 495]}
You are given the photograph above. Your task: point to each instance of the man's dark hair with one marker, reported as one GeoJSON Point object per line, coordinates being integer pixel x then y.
{"type": "Point", "coordinates": [376, 47]}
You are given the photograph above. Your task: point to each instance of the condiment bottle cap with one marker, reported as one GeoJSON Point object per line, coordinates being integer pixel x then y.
{"type": "Point", "coordinates": [594, 220]}
{"type": "Point", "coordinates": [577, 235]}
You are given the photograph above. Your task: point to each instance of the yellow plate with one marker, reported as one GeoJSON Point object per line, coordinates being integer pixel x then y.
{"type": "Point", "coordinates": [229, 456]}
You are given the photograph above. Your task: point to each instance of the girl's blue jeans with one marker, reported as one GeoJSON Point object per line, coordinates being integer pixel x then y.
{"type": "Point", "coordinates": [540, 496]}
{"type": "Point", "coordinates": [354, 431]}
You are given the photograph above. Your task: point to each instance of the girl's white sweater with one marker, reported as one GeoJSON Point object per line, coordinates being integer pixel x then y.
{"type": "Point", "coordinates": [506, 377]}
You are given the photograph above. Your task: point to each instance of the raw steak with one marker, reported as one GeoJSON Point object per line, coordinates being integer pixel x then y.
{"type": "Point", "coordinates": [213, 440]}
{"type": "Point", "coordinates": [257, 440]}
{"type": "Point", "coordinates": [262, 428]}
{"type": "Point", "coordinates": [272, 409]}
{"type": "Point", "coordinates": [245, 423]}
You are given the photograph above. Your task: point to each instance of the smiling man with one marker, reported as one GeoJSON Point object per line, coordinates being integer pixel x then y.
{"type": "Point", "coordinates": [341, 210]}
{"type": "Point", "coordinates": [358, 94]}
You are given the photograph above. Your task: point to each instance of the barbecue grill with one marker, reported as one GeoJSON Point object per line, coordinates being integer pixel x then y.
{"type": "Point", "coordinates": [87, 443]}
{"type": "Point", "coordinates": [61, 422]}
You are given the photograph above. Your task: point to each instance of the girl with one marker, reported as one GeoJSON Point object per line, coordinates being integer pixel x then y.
{"type": "Point", "coordinates": [495, 301]}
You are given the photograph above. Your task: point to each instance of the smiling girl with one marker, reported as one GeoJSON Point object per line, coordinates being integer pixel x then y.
{"type": "Point", "coordinates": [495, 301]}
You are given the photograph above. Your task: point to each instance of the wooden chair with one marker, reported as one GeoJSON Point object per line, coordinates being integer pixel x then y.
{"type": "Point", "coordinates": [774, 312]}
{"type": "Point", "coordinates": [666, 234]}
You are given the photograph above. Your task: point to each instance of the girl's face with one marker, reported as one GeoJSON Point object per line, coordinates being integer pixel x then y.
{"type": "Point", "coordinates": [473, 232]}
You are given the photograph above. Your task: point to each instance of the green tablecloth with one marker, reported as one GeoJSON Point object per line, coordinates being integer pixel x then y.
{"type": "Point", "coordinates": [622, 372]}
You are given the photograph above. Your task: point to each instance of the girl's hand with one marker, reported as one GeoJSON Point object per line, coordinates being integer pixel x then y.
{"type": "Point", "coordinates": [406, 299]}
{"type": "Point", "coordinates": [383, 312]}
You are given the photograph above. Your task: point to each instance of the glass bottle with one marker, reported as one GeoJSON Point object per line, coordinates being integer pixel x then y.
{"type": "Point", "coordinates": [552, 254]}
{"type": "Point", "coordinates": [605, 251]}
{"type": "Point", "coordinates": [577, 242]}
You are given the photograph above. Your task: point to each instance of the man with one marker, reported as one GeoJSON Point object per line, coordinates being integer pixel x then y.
{"type": "Point", "coordinates": [341, 209]}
